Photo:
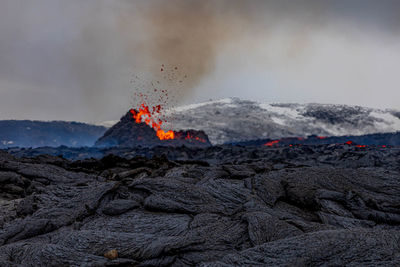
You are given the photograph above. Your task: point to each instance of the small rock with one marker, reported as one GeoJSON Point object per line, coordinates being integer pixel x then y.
{"type": "Point", "coordinates": [111, 254]}
{"type": "Point", "coordinates": [27, 206]}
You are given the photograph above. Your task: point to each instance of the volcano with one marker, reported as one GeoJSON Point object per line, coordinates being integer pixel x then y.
{"type": "Point", "coordinates": [130, 132]}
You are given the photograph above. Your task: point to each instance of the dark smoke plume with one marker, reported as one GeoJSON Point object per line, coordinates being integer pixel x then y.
{"type": "Point", "coordinates": [188, 34]}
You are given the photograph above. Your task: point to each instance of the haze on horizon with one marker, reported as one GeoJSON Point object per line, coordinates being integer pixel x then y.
{"type": "Point", "coordinates": [74, 60]}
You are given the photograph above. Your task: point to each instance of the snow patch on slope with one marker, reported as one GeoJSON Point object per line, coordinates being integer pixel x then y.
{"type": "Point", "coordinates": [232, 120]}
{"type": "Point", "coordinates": [225, 101]}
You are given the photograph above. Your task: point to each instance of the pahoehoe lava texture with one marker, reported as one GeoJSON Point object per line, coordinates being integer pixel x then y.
{"type": "Point", "coordinates": [217, 206]}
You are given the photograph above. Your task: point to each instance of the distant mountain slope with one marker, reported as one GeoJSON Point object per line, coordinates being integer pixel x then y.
{"type": "Point", "coordinates": [233, 120]}
{"type": "Point", "coordinates": [56, 133]}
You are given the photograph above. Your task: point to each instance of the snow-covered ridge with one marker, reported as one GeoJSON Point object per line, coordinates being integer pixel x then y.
{"type": "Point", "coordinates": [226, 101]}
{"type": "Point", "coordinates": [233, 119]}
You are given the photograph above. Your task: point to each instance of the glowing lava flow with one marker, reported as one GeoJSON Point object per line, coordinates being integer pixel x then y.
{"type": "Point", "coordinates": [272, 143]}
{"type": "Point", "coordinates": [191, 137]}
{"type": "Point", "coordinates": [145, 115]}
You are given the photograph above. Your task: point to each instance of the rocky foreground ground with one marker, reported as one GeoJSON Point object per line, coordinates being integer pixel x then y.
{"type": "Point", "coordinates": [219, 206]}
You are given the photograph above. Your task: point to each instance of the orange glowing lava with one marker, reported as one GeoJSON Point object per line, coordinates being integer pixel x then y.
{"type": "Point", "coordinates": [145, 115]}
{"type": "Point", "coordinates": [272, 143]}
{"type": "Point", "coordinates": [191, 137]}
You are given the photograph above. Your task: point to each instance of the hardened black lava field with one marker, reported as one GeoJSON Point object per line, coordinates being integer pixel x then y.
{"type": "Point", "coordinates": [216, 206]}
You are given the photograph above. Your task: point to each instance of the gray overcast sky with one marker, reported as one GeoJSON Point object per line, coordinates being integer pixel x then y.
{"type": "Point", "coordinates": [73, 59]}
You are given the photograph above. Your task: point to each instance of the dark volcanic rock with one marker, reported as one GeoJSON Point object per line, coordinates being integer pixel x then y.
{"type": "Point", "coordinates": [356, 247]}
{"type": "Point", "coordinates": [215, 206]}
{"type": "Point", "coordinates": [379, 139]}
{"type": "Point", "coordinates": [128, 133]}
{"type": "Point", "coordinates": [119, 206]}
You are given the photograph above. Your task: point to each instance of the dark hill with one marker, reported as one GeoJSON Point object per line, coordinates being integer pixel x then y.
{"type": "Point", "coordinates": [14, 133]}
{"type": "Point", "coordinates": [128, 133]}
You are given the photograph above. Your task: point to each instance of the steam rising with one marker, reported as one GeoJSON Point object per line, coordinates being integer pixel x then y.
{"type": "Point", "coordinates": [73, 60]}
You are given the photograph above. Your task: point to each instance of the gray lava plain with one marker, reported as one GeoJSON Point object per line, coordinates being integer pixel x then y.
{"type": "Point", "coordinates": [328, 205]}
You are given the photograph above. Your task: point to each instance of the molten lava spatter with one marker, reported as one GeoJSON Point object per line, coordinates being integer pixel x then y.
{"type": "Point", "coordinates": [145, 115]}
{"type": "Point", "coordinates": [150, 93]}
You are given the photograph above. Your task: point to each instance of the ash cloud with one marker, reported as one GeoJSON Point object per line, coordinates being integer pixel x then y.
{"type": "Point", "coordinates": [72, 60]}
{"type": "Point", "coordinates": [189, 34]}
